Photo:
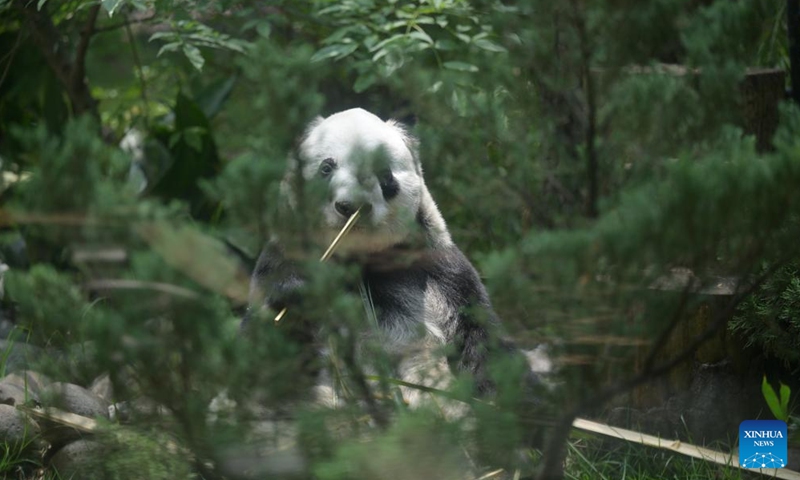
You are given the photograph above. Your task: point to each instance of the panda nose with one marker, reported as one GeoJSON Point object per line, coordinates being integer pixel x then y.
{"type": "Point", "coordinates": [345, 209]}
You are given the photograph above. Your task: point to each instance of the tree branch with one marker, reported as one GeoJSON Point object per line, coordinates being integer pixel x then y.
{"type": "Point", "coordinates": [79, 65]}
{"type": "Point", "coordinates": [10, 57]}
{"type": "Point", "coordinates": [592, 170]}
{"type": "Point", "coordinates": [125, 23]}
{"type": "Point", "coordinates": [140, 71]}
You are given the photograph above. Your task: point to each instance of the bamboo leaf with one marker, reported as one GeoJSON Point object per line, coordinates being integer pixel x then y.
{"type": "Point", "coordinates": [785, 393]}
{"type": "Point", "coordinates": [772, 399]}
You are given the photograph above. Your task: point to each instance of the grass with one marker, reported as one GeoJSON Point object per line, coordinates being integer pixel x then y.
{"type": "Point", "coordinates": [20, 460]}
{"type": "Point", "coordinates": [600, 459]}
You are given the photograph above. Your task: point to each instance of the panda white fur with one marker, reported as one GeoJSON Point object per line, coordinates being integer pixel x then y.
{"type": "Point", "coordinates": [426, 293]}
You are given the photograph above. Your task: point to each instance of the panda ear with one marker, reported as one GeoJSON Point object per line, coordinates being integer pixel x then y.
{"type": "Point", "coordinates": [412, 143]}
{"type": "Point", "coordinates": [293, 164]}
{"type": "Point", "coordinates": [311, 126]}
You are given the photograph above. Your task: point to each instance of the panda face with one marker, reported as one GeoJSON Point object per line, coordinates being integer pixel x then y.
{"type": "Point", "coordinates": [354, 160]}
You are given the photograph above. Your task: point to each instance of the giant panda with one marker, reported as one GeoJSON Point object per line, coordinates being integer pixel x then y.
{"type": "Point", "coordinates": [433, 310]}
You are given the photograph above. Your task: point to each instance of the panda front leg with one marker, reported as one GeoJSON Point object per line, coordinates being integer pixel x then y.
{"type": "Point", "coordinates": [276, 282]}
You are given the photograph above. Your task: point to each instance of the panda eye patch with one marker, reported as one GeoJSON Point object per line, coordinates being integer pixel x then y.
{"type": "Point", "coordinates": [389, 185]}
{"type": "Point", "coordinates": [385, 177]}
{"type": "Point", "coordinates": [327, 167]}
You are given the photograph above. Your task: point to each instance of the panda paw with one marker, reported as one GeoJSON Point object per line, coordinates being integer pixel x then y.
{"type": "Point", "coordinates": [286, 295]}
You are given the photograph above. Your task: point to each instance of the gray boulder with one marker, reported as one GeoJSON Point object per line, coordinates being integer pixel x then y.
{"type": "Point", "coordinates": [75, 399]}
{"type": "Point", "coordinates": [16, 428]}
{"type": "Point", "coordinates": [79, 459]}
{"type": "Point", "coordinates": [102, 387]}
{"type": "Point", "coordinates": [13, 395]}
{"type": "Point", "coordinates": [27, 380]}
{"type": "Point", "coordinates": [19, 355]}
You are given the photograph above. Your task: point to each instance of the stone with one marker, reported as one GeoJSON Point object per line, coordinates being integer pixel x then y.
{"type": "Point", "coordinates": [139, 407]}
{"type": "Point", "coordinates": [19, 355]}
{"type": "Point", "coordinates": [102, 387]}
{"type": "Point", "coordinates": [27, 380]}
{"type": "Point", "coordinates": [123, 454]}
{"type": "Point", "coordinates": [13, 395]}
{"type": "Point", "coordinates": [79, 459]}
{"type": "Point", "coordinates": [7, 327]}
{"type": "Point", "coordinates": [793, 462]}
{"type": "Point", "coordinates": [75, 399]}
{"type": "Point", "coordinates": [16, 428]}
{"type": "Point", "coordinates": [134, 454]}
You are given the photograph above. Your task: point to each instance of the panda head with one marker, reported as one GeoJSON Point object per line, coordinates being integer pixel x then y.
{"type": "Point", "coordinates": [353, 160]}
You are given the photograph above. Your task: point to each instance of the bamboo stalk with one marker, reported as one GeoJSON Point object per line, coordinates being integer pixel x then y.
{"type": "Point", "coordinates": [707, 454]}
{"type": "Point", "coordinates": [78, 422]}
{"type": "Point", "coordinates": [335, 243]}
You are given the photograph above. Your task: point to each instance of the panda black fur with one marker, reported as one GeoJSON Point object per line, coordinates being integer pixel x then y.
{"type": "Point", "coordinates": [434, 299]}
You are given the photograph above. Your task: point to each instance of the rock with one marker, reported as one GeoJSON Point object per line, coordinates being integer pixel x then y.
{"type": "Point", "coordinates": [123, 454]}
{"type": "Point", "coordinates": [625, 417]}
{"type": "Point", "coordinates": [793, 462]}
{"type": "Point", "coordinates": [7, 327]}
{"type": "Point", "coordinates": [19, 355]}
{"type": "Point", "coordinates": [13, 395]}
{"type": "Point", "coordinates": [79, 459]}
{"type": "Point", "coordinates": [74, 399]}
{"type": "Point", "coordinates": [135, 454]}
{"type": "Point", "coordinates": [140, 407]}
{"type": "Point", "coordinates": [718, 402]}
{"type": "Point", "coordinates": [27, 380]}
{"type": "Point", "coordinates": [102, 387]}
{"type": "Point", "coordinates": [16, 428]}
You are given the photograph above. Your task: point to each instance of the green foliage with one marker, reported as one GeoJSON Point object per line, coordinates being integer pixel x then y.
{"type": "Point", "coordinates": [569, 161]}
{"type": "Point", "coordinates": [61, 169]}
{"type": "Point", "coordinates": [49, 302]}
{"type": "Point", "coordinates": [127, 454]}
{"type": "Point", "coordinates": [248, 191]}
{"type": "Point", "coordinates": [190, 156]}
{"type": "Point", "coordinates": [592, 459]}
{"type": "Point", "coordinates": [778, 403]}
{"type": "Point", "coordinates": [188, 36]}
{"type": "Point", "coordinates": [381, 38]}
{"type": "Point", "coordinates": [769, 320]}
{"type": "Point", "coordinates": [426, 439]}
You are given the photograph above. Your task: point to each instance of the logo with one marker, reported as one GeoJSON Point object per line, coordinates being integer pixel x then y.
{"type": "Point", "coordinates": [762, 444]}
